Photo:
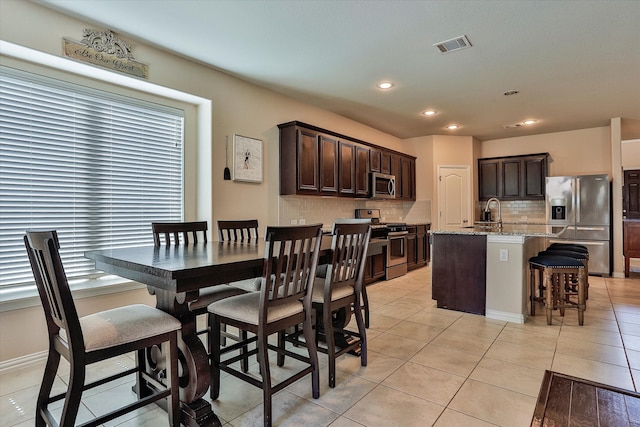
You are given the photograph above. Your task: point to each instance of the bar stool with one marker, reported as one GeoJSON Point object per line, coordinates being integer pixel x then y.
{"type": "Point", "coordinates": [554, 269]}
{"type": "Point", "coordinates": [570, 246]}
{"type": "Point", "coordinates": [574, 251]}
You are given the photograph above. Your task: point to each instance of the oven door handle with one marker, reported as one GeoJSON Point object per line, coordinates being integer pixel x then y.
{"type": "Point", "coordinates": [397, 233]}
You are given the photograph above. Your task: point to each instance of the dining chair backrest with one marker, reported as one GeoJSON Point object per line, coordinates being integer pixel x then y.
{"type": "Point", "coordinates": [238, 231]}
{"type": "Point", "coordinates": [349, 246]}
{"type": "Point", "coordinates": [290, 262]}
{"type": "Point", "coordinates": [177, 233]}
{"type": "Point", "coordinates": [53, 287]}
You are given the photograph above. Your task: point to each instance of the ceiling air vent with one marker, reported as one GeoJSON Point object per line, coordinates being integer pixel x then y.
{"type": "Point", "coordinates": [453, 44]}
{"type": "Point", "coordinates": [513, 126]}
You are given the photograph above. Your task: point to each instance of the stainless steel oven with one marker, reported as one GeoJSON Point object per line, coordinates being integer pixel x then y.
{"type": "Point", "coordinates": [396, 250]}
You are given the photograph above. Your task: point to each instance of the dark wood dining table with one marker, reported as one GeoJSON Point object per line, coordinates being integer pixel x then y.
{"type": "Point", "coordinates": [174, 274]}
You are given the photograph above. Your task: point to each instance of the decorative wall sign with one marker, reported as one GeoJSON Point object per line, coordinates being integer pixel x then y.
{"type": "Point", "coordinates": [247, 159]}
{"type": "Point", "coordinates": [105, 49]}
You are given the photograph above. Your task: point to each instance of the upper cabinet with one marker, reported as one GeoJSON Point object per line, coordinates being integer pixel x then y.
{"type": "Point", "coordinates": [513, 177]}
{"type": "Point", "coordinates": [316, 161]}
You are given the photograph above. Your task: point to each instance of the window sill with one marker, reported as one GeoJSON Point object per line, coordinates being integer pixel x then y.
{"type": "Point", "coordinates": [27, 296]}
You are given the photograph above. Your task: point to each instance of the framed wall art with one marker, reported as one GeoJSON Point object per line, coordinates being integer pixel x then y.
{"type": "Point", "coordinates": [247, 159]}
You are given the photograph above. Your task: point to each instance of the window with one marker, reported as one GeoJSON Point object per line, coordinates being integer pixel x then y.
{"type": "Point", "coordinates": [96, 166]}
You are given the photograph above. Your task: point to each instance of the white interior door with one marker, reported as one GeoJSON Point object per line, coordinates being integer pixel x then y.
{"type": "Point", "coordinates": [453, 197]}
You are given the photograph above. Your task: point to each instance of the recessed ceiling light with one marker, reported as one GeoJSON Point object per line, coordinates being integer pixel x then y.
{"type": "Point", "coordinates": [529, 122]}
{"type": "Point", "coordinates": [429, 113]}
{"type": "Point", "coordinates": [385, 85]}
{"type": "Point", "coordinates": [511, 92]}
{"type": "Point", "coordinates": [453, 127]}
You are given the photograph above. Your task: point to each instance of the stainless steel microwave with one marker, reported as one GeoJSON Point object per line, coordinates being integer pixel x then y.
{"type": "Point", "coordinates": [383, 186]}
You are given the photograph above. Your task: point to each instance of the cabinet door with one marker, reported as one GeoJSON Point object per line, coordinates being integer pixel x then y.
{"type": "Point", "coordinates": [511, 179]}
{"type": "Point", "coordinates": [362, 171]}
{"type": "Point", "coordinates": [534, 177]}
{"type": "Point", "coordinates": [385, 162]}
{"type": "Point", "coordinates": [407, 179]}
{"type": "Point", "coordinates": [374, 160]}
{"type": "Point", "coordinates": [307, 160]}
{"type": "Point", "coordinates": [631, 194]}
{"type": "Point", "coordinates": [412, 248]}
{"type": "Point", "coordinates": [346, 169]}
{"type": "Point", "coordinates": [488, 178]}
{"type": "Point", "coordinates": [328, 164]}
{"type": "Point", "coordinates": [422, 245]}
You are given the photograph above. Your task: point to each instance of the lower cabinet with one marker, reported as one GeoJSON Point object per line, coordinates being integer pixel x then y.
{"type": "Point", "coordinates": [458, 272]}
{"type": "Point", "coordinates": [376, 264]}
{"type": "Point", "coordinates": [417, 246]}
{"type": "Point", "coordinates": [631, 239]}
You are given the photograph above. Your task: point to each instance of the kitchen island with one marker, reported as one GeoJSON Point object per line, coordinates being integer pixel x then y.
{"type": "Point", "coordinates": [485, 270]}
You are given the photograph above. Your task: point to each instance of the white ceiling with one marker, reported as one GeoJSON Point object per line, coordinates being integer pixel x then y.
{"type": "Point", "coordinates": [575, 63]}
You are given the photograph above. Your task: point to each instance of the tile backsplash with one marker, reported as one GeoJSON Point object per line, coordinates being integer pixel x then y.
{"type": "Point", "coordinates": [532, 211]}
{"type": "Point", "coordinates": [326, 209]}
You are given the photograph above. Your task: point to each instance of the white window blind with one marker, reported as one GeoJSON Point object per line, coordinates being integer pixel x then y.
{"type": "Point", "coordinates": [95, 166]}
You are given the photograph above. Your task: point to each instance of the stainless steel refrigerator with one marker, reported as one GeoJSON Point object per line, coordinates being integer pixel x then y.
{"type": "Point", "coordinates": [579, 207]}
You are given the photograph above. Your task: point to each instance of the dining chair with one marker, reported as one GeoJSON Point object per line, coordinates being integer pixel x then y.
{"type": "Point", "coordinates": [244, 231]}
{"type": "Point", "coordinates": [238, 230]}
{"type": "Point", "coordinates": [337, 295]}
{"type": "Point", "coordinates": [186, 233]}
{"type": "Point", "coordinates": [96, 337]}
{"type": "Point", "coordinates": [284, 300]}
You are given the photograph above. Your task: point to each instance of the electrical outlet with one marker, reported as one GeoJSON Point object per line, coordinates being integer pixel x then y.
{"type": "Point", "coordinates": [302, 221]}
{"type": "Point", "coordinates": [504, 255]}
{"type": "Point", "coordinates": [294, 222]}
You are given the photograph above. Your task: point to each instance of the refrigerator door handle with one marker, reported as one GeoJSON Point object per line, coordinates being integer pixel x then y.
{"type": "Point", "coordinates": [591, 228]}
{"type": "Point", "coordinates": [577, 198]}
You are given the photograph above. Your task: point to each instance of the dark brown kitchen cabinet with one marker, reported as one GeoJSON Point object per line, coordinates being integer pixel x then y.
{"type": "Point", "coordinates": [299, 161]}
{"type": "Point", "coordinates": [328, 164]}
{"type": "Point", "coordinates": [376, 264]}
{"type": "Point", "coordinates": [346, 168]}
{"type": "Point", "coordinates": [513, 177]}
{"type": "Point", "coordinates": [374, 160]}
{"type": "Point", "coordinates": [362, 170]}
{"type": "Point", "coordinates": [458, 276]}
{"type": "Point", "coordinates": [417, 246]}
{"type": "Point", "coordinates": [406, 190]}
{"type": "Point", "coordinates": [631, 194]}
{"type": "Point", "coordinates": [488, 181]}
{"type": "Point", "coordinates": [385, 163]}
{"type": "Point", "coordinates": [631, 242]}
{"type": "Point", "coordinates": [317, 162]}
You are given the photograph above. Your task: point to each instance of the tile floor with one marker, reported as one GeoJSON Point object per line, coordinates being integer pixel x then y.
{"type": "Point", "coordinates": [427, 366]}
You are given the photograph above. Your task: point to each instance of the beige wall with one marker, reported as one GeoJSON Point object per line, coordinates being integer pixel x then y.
{"type": "Point", "coordinates": [631, 154]}
{"type": "Point", "coordinates": [243, 108]}
{"type": "Point", "coordinates": [237, 107]}
{"type": "Point", "coordinates": [579, 152]}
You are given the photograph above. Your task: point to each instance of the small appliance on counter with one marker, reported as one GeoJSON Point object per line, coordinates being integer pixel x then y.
{"type": "Point", "coordinates": [396, 235]}
{"type": "Point", "coordinates": [580, 208]}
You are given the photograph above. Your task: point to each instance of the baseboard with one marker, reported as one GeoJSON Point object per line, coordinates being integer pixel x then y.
{"type": "Point", "coordinates": [23, 361]}
{"type": "Point", "coordinates": [504, 315]}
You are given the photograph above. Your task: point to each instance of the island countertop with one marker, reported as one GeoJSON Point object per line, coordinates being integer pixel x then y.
{"type": "Point", "coordinates": [508, 229]}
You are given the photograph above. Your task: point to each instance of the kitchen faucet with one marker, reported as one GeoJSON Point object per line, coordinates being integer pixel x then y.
{"type": "Point", "coordinates": [486, 209]}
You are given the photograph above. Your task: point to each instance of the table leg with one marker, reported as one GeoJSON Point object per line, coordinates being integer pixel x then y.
{"type": "Point", "coordinates": [193, 361]}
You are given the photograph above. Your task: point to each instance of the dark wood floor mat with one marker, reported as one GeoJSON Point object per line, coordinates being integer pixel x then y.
{"type": "Point", "coordinates": [569, 401]}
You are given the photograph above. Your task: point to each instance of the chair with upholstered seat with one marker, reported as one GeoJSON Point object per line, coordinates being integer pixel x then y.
{"type": "Point", "coordinates": [96, 337]}
{"type": "Point", "coordinates": [284, 300]}
{"type": "Point", "coordinates": [341, 289]}
{"type": "Point", "coordinates": [243, 231]}
{"type": "Point", "coordinates": [186, 233]}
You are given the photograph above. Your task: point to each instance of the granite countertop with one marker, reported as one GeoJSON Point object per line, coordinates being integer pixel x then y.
{"type": "Point", "coordinates": [509, 229]}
